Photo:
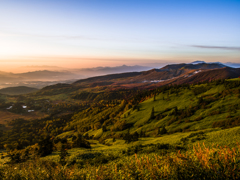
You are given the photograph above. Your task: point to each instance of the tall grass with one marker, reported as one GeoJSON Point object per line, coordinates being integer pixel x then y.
{"type": "Point", "coordinates": [198, 163]}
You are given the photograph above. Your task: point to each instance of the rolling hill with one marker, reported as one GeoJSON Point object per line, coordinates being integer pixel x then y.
{"type": "Point", "coordinates": [17, 90]}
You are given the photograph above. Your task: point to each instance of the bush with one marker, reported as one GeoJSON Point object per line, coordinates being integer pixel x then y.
{"type": "Point", "coordinates": [119, 126]}
{"type": "Point", "coordinates": [79, 141]}
{"type": "Point", "coordinates": [198, 118]}
{"type": "Point", "coordinates": [172, 120]}
{"type": "Point", "coordinates": [231, 122]}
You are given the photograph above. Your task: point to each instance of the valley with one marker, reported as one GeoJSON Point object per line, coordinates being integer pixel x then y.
{"type": "Point", "coordinates": [115, 120]}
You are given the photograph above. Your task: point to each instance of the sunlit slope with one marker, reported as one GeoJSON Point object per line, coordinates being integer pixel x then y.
{"type": "Point", "coordinates": [165, 104]}
{"type": "Point", "coordinates": [208, 138]}
{"type": "Point", "coordinates": [180, 109]}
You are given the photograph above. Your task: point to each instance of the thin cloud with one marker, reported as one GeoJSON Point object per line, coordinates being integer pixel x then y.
{"type": "Point", "coordinates": [217, 47]}
{"type": "Point", "coordinates": [46, 36]}
{"type": "Point", "coordinates": [63, 36]}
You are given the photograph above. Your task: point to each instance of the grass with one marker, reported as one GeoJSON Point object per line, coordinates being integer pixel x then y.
{"type": "Point", "coordinates": [226, 137]}
{"type": "Point", "coordinates": [233, 79]}
{"type": "Point", "coordinates": [95, 133]}
{"type": "Point", "coordinates": [66, 134]}
{"type": "Point", "coordinates": [197, 163]}
{"type": "Point", "coordinates": [221, 137]}
{"type": "Point", "coordinates": [185, 99]}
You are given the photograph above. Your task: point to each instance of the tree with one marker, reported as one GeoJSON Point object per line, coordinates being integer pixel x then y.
{"type": "Point", "coordinates": [175, 111]}
{"type": "Point", "coordinates": [200, 100]}
{"type": "Point", "coordinates": [8, 147]}
{"type": "Point", "coordinates": [15, 156]}
{"type": "Point", "coordinates": [152, 114]}
{"type": "Point", "coordinates": [63, 154]}
{"type": "Point", "coordinates": [142, 134]}
{"type": "Point", "coordinates": [130, 137]}
{"type": "Point", "coordinates": [79, 141]}
{"type": "Point", "coordinates": [135, 136]}
{"type": "Point", "coordinates": [163, 130]}
{"type": "Point", "coordinates": [127, 137]}
{"type": "Point", "coordinates": [25, 154]}
{"type": "Point", "coordinates": [104, 128]}
{"type": "Point", "coordinates": [97, 125]}
{"type": "Point", "coordinates": [86, 136]}
{"type": "Point", "coordinates": [45, 146]}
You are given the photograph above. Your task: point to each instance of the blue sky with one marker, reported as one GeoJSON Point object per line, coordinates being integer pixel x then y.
{"type": "Point", "coordinates": [90, 33]}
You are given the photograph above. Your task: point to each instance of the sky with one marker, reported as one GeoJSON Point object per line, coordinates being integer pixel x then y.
{"type": "Point", "coordinates": [91, 33]}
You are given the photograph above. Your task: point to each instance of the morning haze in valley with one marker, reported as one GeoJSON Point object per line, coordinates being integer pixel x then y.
{"type": "Point", "coordinates": [118, 89]}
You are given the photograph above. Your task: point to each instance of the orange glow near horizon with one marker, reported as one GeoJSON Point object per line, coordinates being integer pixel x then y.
{"type": "Point", "coordinates": [24, 64]}
{"type": "Point", "coordinates": [64, 62]}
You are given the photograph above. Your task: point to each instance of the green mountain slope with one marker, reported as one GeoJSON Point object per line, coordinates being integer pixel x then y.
{"type": "Point", "coordinates": [102, 114]}
{"type": "Point", "coordinates": [177, 108]}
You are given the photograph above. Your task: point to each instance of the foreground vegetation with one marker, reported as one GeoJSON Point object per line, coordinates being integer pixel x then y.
{"type": "Point", "coordinates": [199, 163]}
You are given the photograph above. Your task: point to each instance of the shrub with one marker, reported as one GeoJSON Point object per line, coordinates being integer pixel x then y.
{"type": "Point", "coordinates": [172, 120]}
{"type": "Point", "coordinates": [198, 118]}
{"type": "Point", "coordinates": [119, 126]}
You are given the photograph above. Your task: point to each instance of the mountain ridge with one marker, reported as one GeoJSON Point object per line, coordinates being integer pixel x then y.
{"type": "Point", "coordinates": [18, 90]}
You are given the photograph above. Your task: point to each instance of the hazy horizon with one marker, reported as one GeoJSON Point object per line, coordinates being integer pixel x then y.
{"type": "Point", "coordinates": [85, 34]}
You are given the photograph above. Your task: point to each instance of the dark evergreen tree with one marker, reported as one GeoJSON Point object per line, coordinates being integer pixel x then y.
{"type": "Point", "coordinates": [135, 136]}
{"type": "Point", "coordinates": [63, 155]}
{"type": "Point", "coordinates": [104, 128]}
{"type": "Point", "coordinates": [86, 136]}
{"type": "Point", "coordinates": [175, 111]}
{"type": "Point", "coordinates": [79, 141]}
{"type": "Point", "coordinates": [152, 114]}
{"type": "Point", "coordinates": [142, 134]}
{"type": "Point", "coordinates": [154, 97]}
{"type": "Point", "coordinates": [127, 137]}
{"type": "Point", "coordinates": [163, 130]}
{"type": "Point", "coordinates": [45, 146]}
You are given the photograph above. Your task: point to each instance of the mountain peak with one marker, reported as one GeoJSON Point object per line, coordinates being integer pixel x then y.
{"type": "Point", "coordinates": [198, 62]}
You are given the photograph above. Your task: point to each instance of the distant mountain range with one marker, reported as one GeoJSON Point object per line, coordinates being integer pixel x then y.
{"type": "Point", "coordinates": [169, 74]}
{"type": "Point", "coordinates": [111, 70]}
{"type": "Point", "coordinates": [41, 78]}
{"type": "Point", "coordinates": [234, 65]}
{"type": "Point", "coordinates": [119, 75]}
